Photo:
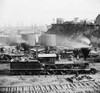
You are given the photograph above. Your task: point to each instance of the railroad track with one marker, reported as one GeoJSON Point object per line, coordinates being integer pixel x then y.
{"type": "Point", "coordinates": [77, 87]}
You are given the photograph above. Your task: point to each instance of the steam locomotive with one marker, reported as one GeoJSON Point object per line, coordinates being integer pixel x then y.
{"type": "Point", "coordinates": [48, 62]}
{"type": "Point", "coordinates": [46, 58]}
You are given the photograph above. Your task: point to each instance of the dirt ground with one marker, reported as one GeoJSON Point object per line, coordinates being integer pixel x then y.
{"type": "Point", "coordinates": [49, 84]}
{"type": "Point", "coordinates": [39, 80]}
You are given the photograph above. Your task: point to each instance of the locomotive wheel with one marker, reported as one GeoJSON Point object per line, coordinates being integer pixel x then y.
{"type": "Point", "coordinates": [12, 73]}
{"type": "Point", "coordinates": [51, 70]}
{"type": "Point", "coordinates": [4, 57]}
{"type": "Point", "coordinates": [26, 72]}
{"type": "Point", "coordinates": [30, 73]}
{"type": "Point", "coordinates": [66, 69]}
{"type": "Point", "coordinates": [21, 73]}
{"type": "Point", "coordinates": [43, 72]}
{"type": "Point", "coordinates": [38, 72]}
{"type": "Point", "coordinates": [93, 71]}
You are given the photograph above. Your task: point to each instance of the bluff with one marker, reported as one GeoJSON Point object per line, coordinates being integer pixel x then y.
{"type": "Point", "coordinates": [76, 35]}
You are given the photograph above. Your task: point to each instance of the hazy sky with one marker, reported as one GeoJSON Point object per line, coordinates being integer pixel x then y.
{"type": "Point", "coordinates": [27, 12]}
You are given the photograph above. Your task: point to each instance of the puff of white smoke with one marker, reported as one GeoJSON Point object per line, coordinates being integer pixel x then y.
{"type": "Point", "coordinates": [66, 42]}
{"type": "Point", "coordinates": [83, 39]}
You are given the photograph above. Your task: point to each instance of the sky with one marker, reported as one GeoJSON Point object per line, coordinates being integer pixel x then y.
{"type": "Point", "coordinates": [41, 12]}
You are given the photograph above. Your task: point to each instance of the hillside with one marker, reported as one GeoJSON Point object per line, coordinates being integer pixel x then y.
{"type": "Point", "coordinates": [72, 34]}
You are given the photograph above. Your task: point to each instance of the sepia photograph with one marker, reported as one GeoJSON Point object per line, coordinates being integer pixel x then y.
{"type": "Point", "coordinates": [49, 46]}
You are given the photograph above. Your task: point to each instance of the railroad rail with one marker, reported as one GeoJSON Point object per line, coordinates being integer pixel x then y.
{"type": "Point", "coordinates": [77, 87]}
